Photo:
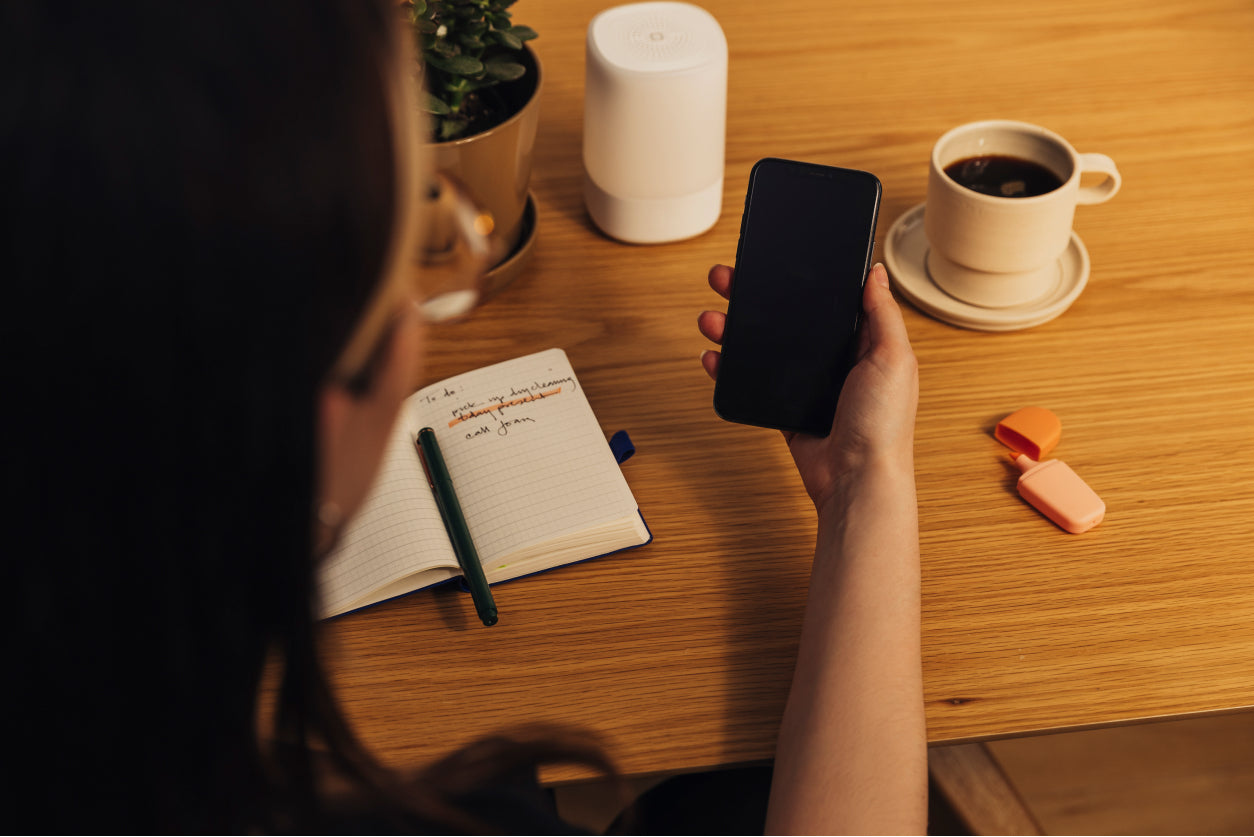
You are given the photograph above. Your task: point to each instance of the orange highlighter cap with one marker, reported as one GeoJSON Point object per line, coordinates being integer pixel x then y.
{"type": "Point", "coordinates": [1034, 431]}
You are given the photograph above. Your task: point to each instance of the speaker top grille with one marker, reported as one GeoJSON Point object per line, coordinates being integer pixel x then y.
{"type": "Point", "coordinates": [657, 37]}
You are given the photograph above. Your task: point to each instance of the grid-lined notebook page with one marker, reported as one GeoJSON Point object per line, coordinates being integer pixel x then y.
{"type": "Point", "coordinates": [396, 543]}
{"type": "Point", "coordinates": [527, 456]}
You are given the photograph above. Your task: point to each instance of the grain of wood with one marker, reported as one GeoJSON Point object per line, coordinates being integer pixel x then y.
{"type": "Point", "coordinates": [1192, 776]}
{"type": "Point", "coordinates": [980, 792]}
{"type": "Point", "coordinates": [679, 654]}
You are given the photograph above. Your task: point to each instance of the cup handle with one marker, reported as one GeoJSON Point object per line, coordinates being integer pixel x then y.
{"type": "Point", "coordinates": [1099, 192]}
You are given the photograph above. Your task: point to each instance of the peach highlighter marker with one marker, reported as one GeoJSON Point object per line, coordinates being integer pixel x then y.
{"type": "Point", "coordinates": [1051, 486]}
{"type": "Point", "coordinates": [1059, 493]}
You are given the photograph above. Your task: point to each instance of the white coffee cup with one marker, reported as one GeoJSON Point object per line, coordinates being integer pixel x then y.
{"type": "Point", "coordinates": [995, 251]}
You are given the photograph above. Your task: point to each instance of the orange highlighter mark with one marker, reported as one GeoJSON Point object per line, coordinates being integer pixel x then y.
{"type": "Point", "coordinates": [535, 396]}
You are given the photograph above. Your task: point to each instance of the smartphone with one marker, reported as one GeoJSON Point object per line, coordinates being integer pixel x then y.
{"type": "Point", "coordinates": [806, 238]}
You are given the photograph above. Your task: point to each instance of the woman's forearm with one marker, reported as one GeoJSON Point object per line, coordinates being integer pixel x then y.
{"type": "Point", "coordinates": [852, 754]}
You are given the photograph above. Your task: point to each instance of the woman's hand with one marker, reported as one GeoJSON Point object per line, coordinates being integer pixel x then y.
{"type": "Point", "coordinates": [875, 415]}
{"type": "Point", "coordinates": [851, 757]}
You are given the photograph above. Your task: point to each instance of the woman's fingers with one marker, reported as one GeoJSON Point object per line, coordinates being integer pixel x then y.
{"type": "Point", "coordinates": [711, 324]}
{"type": "Point", "coordinates": [710, 360]}
{"type": "Point", "coordinates": [885, 325]}
{"type": "Point", "coordinates": [721, 280]}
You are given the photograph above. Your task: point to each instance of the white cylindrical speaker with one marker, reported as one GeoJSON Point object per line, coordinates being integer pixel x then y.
{"type": "Point", "coordinates": [655, 112]}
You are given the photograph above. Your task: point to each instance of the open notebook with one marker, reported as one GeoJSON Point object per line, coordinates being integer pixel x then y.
{"type": "Point", "coordinates": [536, 480]}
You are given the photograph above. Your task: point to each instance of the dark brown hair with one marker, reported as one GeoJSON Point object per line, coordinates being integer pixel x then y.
{"type": "Point", "coordinates": [198, 199]}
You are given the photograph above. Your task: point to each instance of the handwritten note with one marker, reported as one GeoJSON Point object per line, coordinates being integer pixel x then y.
{"type": "Point", "coordinates": [528, 459]}
{"type": "Point", "coordinates": [532, 471]}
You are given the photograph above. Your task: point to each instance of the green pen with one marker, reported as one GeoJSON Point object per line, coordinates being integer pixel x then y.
{"type": "Point", "coordinates": [455, 523]}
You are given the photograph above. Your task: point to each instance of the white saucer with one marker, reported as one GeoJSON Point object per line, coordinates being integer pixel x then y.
{"type": "Point", "coordinates": [905, 256]}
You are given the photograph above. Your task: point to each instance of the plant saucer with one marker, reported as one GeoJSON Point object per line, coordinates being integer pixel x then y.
{"type": "Point", "coordinates": [512, 265]}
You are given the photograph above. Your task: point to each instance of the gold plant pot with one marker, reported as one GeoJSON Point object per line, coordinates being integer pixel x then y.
{"type": "Point", "coordinates": [495, 166]}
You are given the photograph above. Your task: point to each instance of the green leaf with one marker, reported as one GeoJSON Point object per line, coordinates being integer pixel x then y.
{"type": "Point", "coordinates": [523, 33]}
{"type": "Point", "coordinates": [507, 39]}
{"type": "Point", "coordinates": [420, 6]}
{"type": "Point", "coordinates": [470, 42]}
{"type": "Point", "coordinates": [458, 65]}
{"type": "Point", "coordinates": [436, 105]}
{"type": "Point", "coordinates": [502, 69]}
{"type": "Point", "coordinates": [426, 27]}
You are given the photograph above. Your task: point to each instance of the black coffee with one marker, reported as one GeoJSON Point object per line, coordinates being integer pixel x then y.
{"type": "Point", "coordinates": [1003, 176]}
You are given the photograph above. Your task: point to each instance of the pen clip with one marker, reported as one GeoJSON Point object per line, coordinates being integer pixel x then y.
{"type": "Point", "coordinates": [426, 467]}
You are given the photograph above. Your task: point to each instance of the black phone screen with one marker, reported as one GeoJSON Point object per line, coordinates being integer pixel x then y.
{"type": "Point", "coordinates": [805, 247]}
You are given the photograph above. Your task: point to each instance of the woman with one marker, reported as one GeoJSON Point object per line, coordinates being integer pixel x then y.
{"type": "Point", "coordinates": [852, 750]}
{"type": "Point", "coordinates": [209, 332]}
{"type": "Point", "coordinates": [212, 213]}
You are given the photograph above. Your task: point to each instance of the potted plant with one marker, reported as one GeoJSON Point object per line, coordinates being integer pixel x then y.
{"type": "Point", "coordinates": [481, 85]}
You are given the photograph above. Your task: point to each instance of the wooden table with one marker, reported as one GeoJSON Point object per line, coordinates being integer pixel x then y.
{"type": "Point", "coordinates": [680, 653]}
